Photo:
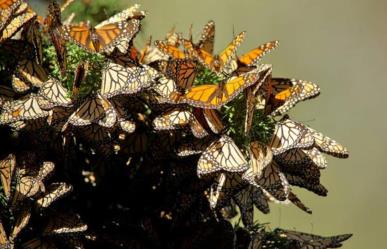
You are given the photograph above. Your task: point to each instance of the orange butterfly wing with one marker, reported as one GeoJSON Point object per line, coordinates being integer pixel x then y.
{"type": "Point", "coordinates": [214, 96]}
{"type": "Point", "coordinates": [253, 56]}
{"type": "Point", "coordinates": [226, 55]}
{"type": "Point", "coordinates": [170, 50]}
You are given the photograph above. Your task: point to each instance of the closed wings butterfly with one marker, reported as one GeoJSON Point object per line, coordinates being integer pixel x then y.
{"type": "Point", "coordinates": [55, 94]}
{"type": "Point", "coordinates": [289, 134]}
{"type": "Point", "coordinates": [7, 167]}
{"type": "Point", "coordinates": [17, 19]}
{"type": "Point", "coordinates": [95, 109]}
{"type": "Point", "coordinates": [26, 108]}
{"type": "Point", "coordinates": [328, 145]}
{"type": "Point", "coordinates": [117, 79]}
{"type": "Point", "coordinates": [221, 155]}
{"type": "Point", "coordinates": [172, 119]}
{"type": "Point", "coordinates": [310, 241]}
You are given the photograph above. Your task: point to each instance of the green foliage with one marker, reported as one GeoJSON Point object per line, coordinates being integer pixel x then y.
{"type": "Point", "coordinates": [94, 11]}
{"type": "Point", "coordinates": [76, 55]}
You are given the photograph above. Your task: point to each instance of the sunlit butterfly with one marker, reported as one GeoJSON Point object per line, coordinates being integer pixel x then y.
{"type": "Point", "coordinates": [221, 155]}
{"type": "Point", "coordinates": [207, 39]}
{"type": "Point", "coordinates": [19, 86]}
{"type": "Point", "coordinates": [219, 64]}
{"type": "Point", "coordinates": [172, 119]}
{"type": "Point", "coordinates": [289, 134]}
{"type": "Point", "coordinates": [55, 94]}
{"type": "Point", "coordinates": [19, 17]}
{"type": "Point", "coordinates": [94, 109]}
{"type": "Point", "coordinates": [213, 96]}
{"type": "Point", "coordinates": [54, 192]}
{"type": "Point", "coordinates": [328, 145]}
{"type": "Point", "coordinates": [102, 38]}
{"type": "Point", "coordinates": [117, 79]}
{"type": "Point", "coordinates": [26, 108]}
{"type": "Point", "coordinates": [30, 184]}
{"type": "Point", "coordinates": [64, 223]}
{"type": "Point", "coordinates": [303, 156]}
{"type": "Point", "coordinates": [182, 71]}
{"type": "Point", "coordinates": [252, 57]}
{"type": "Point", "coordinates": [282, 94]}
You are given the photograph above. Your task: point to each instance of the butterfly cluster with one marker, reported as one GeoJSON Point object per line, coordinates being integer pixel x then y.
{"type": "Point", "coordinates": [171, 137]}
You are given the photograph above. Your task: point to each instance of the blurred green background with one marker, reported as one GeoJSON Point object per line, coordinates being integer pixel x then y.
{"type": "Point", "coordinates": [342, 46]}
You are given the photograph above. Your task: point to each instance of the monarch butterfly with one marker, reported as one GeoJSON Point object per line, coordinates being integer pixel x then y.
{"type": "Point", "coordinates": [224, 188]}
{"type": "Point", "coordinates": [95, 133]}
{"type": "Point", "coordinates": [172, 51]}
{"type": "Point", "coordinates": [6, 95]}
{"type": "Point", "coordinates": [192, 147]}
{"type": "Point", "coordinates": [209, 119]}
{"type": "Point", "coordinates": [54, 21]}
{"type": "Point", "coordinates": [7, 8]}
{"type": "Point", "coordinates": [299, 181]}
{"type": "Point", "coordinates": [289, 135]}
{"type": "Point", "coordinates": [268, 177]}
{"type": "Point", "coordinates": [182, 71]}
{"type": "Point", "coordinates": [252, 57]}
{"type": "Point", "coordinates": [64, 223]}
{"type": "Point", "coordinates": [303, 156]}
{"type": "Point", "coordinates": [22, 220]}
{"type": "Point", "coordinates": [18, 18]}
{"type": "Point", "coordinates": [117, 79]}
{"type": "Point", "coordinates": [216, 95]}
{"type": "Point", "coordinates": [3, 236]}
{"type": "Point", "coordinates": [172, 119]}
{"type": "Point", "coordinates": [328, 145]}
{"type": "Point", "coordinates": [298, 203]}
{"type": "Point", "coordinates": [55, 192]}
{"type": "Point", "coordinates": [26, 108]}
{"type": "Point", "coordinates": [102, 38]}
{"type": "Point", "coordinates": [95, 109]}
{"type": "Point", "coordinates": [261, 156]}
{"type": "Point", "coordinates": [19, 86]}
{"type": "Point", "coordinates": [7, 167]}
{"type": "Point", "coordinates": [31, 33]}
{"type": "Point", "coordinates": [246, 199]}
{"type": "Point", "coordinates": [122, 117]}
{"type": "Point", "coordinates": [39, 244]}
{"type": "Point", "coordinates": [282, 94]}
{"type": "Point", "coordinates": [219, 64]}
{"type": "Point", "coordinates": [56, 95]}
{"type": "Point", "coordinates": [32, 72]}
{"type": "Point", "coordinates": [221, 155]}
{"type": "Point", "coordinates": [310, 241]}
{"type": "Point", "coordinates": [207, 39]}
{"type": "Point", "coordinates": [164, 88]}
